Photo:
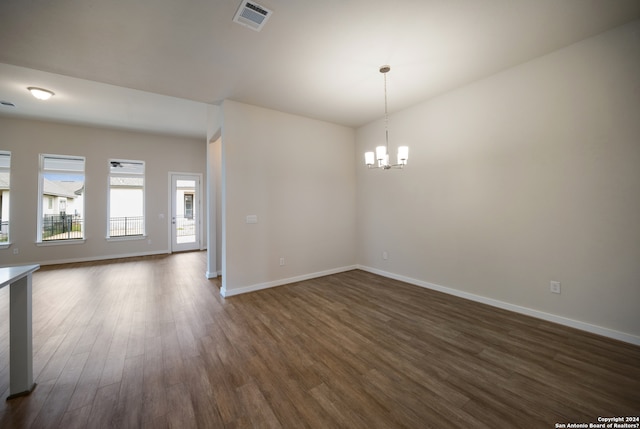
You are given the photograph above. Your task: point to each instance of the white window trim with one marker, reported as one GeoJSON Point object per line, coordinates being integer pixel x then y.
{"type": "Point", "coordinates": [61, 242]}
{"type": "Point", "coordinates": [6, 244]}
{"type": "Point", "coordinates": [39, 241]}
{"type": "Point", "coordinates": [127, 237]}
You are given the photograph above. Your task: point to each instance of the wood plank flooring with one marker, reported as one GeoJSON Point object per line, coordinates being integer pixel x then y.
{"type": "Point", "coordinates": [149, 343]}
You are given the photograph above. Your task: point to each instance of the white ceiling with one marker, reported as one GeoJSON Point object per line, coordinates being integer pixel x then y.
{"type": "Point", "coordinates": [156, 64]}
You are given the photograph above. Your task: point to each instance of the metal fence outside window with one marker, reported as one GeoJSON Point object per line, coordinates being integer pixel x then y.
{"type": "Point", "coordinates": [126, 225]}
{"type": "Point", "coordinates": [185, 226]}
{"type": "Point", "coordinates": [61, 227]}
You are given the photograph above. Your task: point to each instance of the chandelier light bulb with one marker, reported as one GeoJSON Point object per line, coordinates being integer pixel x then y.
{"type": "Point", "coordinates": [403, 155]}
{"type": "Point", "coordinates": [369, 158]}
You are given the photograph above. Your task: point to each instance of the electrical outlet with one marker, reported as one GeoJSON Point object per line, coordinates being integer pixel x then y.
{"type": "Point", "coordinates": [281, 261]}
{"type": "Point", "coordinates": [554, 286]}
{"type": "Point", "coordinates": [16, 251]}
{"type": "Point", "coordinates": [385, 255]}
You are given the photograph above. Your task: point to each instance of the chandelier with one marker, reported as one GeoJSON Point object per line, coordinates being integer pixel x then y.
{"type": "Point", "coordinates": [382, 152]}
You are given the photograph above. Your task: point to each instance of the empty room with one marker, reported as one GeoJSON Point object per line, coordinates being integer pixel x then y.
{"type": "Point", "coordinates": [346, 214]}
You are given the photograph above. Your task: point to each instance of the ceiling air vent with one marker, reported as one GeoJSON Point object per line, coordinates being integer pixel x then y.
{"type": "Point", "coordinates": [252, 15]}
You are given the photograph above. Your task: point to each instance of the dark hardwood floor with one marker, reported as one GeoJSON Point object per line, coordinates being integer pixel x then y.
{"type": "Point", "coordinates": [149, 342]}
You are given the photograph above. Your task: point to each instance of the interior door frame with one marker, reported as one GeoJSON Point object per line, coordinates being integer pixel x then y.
{"type": "Point", "coordinates": [197, 209]}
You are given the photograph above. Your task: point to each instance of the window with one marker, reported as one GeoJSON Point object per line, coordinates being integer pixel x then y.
{"type": "Point", "coordinates": [5, 186]}
{"type": "Point", "coordinates": [61, 198]}
{"type": "Point", "coordinates": [188, 206]}
{"type": "Point", "coordinates": [126, 199]}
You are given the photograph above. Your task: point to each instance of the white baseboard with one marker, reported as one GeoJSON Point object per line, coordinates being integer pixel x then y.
{"type": "Point", "coordinates": [102, 258]}
{"type": "Point", "coordinates": [594, 329]}
{"type": "Point", "coordinates": [212, 274]}
{"type": "Point", "coordinates": [237, 291]}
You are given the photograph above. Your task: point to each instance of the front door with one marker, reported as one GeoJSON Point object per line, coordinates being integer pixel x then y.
{"type": "Point", "coordinates": [185, 212]}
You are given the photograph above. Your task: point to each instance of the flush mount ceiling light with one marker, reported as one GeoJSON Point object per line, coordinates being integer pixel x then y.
{"type": "Point", "coordinates": [40, 93]}
{"type": "Point", "coordinates": [382, 152]}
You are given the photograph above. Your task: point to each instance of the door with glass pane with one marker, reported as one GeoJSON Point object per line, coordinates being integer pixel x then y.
{"type": "Point", "coordinates": [185, 212]}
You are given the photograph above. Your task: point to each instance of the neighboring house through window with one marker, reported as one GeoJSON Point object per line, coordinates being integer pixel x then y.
{"type": "Point", "coordinates": [61, 198]}
{"type": "Point", "coordinates": [126, 199]}
{"type": "Point", "coordinates": [5, 186]}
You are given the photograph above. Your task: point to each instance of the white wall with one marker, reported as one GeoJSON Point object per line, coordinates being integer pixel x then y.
{"type": "Point", "coordinates": [528, 176]}
{"type": "Point", "coordinates": [215, 207]}
{"type": "Point", "coordinates": [214, 168]}
{"type": "Point", "coordinates": [296, 174]}
{"type": "Point", "coordinates": [27, 138]}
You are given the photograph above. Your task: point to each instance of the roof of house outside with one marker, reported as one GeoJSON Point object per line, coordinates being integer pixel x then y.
{"type": "Point", "coordinates": [57, 189]}
{"type": "Point", "coordinates": [4, 180]}
{"type": "Point", "coordinates": [63, 189]}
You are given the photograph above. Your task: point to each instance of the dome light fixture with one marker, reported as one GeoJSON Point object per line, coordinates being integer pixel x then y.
{"type": "Point", "coordinates": [40, 93]}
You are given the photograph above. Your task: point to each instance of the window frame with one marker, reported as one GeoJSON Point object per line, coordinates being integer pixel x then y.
{"type": "Point", "coordinates": [41, 173]}
{"type": "Point", "coordinates": [7, 243]}
{"type": "Point", "coordinates": [113, 173]}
